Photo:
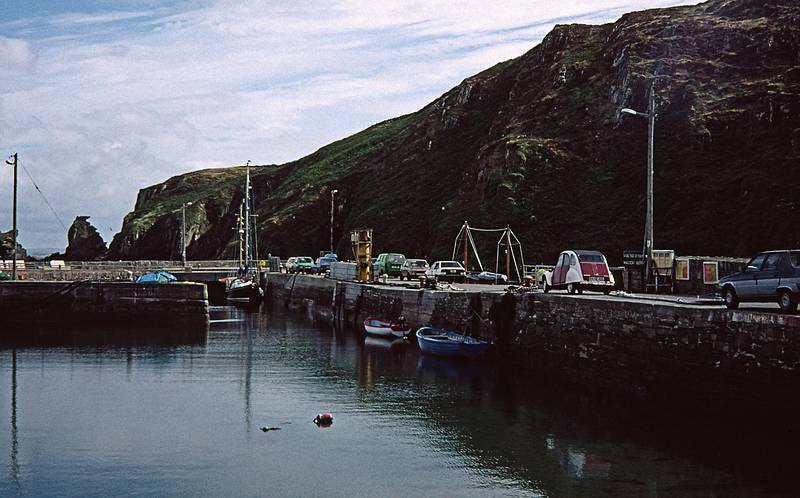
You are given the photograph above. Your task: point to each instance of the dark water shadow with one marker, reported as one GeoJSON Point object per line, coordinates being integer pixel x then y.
{"type": "Point", "coordinates": [117, 335]}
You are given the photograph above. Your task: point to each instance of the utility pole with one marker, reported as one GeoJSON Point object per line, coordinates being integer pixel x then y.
{"type": "Point", "coordinates": [650, 115]}
{"type": "Point", "coordinates": [14, 221]}
{"type": "Point", "coordinates": [333, 193]}
{"type": "Point", "coordinates": [648, 236]}
{"type": "Point", "coordinates": [183, 232]}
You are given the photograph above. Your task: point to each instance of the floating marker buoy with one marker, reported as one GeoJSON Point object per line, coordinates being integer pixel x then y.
{"type": "Point", "coordinates": [324, 419]}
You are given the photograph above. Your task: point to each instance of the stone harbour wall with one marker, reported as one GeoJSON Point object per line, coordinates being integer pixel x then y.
{"type": "Point", "coordinates": [30, 302]}
{"type": "Point", "coordinates": [660, 349]}
{"type": "Point", "coordinates": [648, 349]}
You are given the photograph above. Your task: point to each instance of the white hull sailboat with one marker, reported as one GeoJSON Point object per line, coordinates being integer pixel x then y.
{"type": "Point", "coordinates": [245, 289]}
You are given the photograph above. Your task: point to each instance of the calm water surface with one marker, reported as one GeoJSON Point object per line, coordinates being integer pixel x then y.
{"type": "Point", "coordinates": [99, 413]}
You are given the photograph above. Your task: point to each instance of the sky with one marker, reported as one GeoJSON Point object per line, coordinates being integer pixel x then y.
{"type": "Point", "coordinates": [101, 98]}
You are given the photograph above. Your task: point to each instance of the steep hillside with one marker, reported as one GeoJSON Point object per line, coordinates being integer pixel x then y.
{"type": "Point", "coordinates": [539, 143]}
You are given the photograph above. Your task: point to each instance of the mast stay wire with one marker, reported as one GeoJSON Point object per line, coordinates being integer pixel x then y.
{"type": "Point", "coordinates": [42, 194]}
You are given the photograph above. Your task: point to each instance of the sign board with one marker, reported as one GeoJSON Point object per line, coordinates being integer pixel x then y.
{"type": "Point", "coordinates": [663, 258]}
{"type": "Point", "coordinates": [710, 272]}
{"type": "Point", "coordinates": [681, 268]}
{"type": "Point", "coordinates": [632, 258]}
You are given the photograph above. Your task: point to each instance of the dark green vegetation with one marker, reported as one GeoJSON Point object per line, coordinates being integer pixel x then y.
{"type": "Point", "coordinates": [538, 143]}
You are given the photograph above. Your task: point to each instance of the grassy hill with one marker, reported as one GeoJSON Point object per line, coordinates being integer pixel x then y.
{"type": "Point", "coordinates": [538, 143]}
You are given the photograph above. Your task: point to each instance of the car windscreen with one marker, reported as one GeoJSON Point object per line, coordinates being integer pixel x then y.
{"type": "Point", "coordinates": [794, 257]}
{"type": "Point", "coordinates": [450, 264]}
{"type": "Point", "coordinates": [305, 260]}
{"type": "Point", "coordinates": [396, 258]}
{"type": "Point", "coordinates": [417, 263]}
{"type": "Point", "coordinates": [590, 258]}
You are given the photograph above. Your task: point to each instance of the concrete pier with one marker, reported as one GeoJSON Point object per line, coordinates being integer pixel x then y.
{"type": "Point", "coordinates": [30, 302]}
{"type": "Point", "coordinates": [652, 349]}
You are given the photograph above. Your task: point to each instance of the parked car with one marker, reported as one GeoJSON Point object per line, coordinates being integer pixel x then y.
{"type": "Point", "coordinates": [300, 264]}
{"type": "Point", "coordinates": [486, 277]}
{"type": "Point", "coordinates": [323, 264]}
{"type": "Point", "coordinates": [413, 268]}
{"type": "Point", "coordinates": [444, 271]}
{"type": "Point", "coordinates": [389, 263]}
{"type": "Point", "coordinates": [770, 276]}
{"type": "Point", "coordinates": [579, 270]}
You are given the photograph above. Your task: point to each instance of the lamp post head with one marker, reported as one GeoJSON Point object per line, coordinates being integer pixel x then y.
{"type": "Point", "coordinates": [628, 111]}
{"type": "Point", "coordinates": [334, 191]}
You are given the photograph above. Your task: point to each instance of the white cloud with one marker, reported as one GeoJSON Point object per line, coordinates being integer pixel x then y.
{"type": "Point", "coordinates": [16, 54]}
{"type": "Point", "coordinates": [104, 103]}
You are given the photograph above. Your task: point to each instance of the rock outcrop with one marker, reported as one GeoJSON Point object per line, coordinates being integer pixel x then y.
{"type": "Point", "coordinates": [7, 246]}
{"type": "Point", "coordinates": [84, 242]}
{"type": "Point", "coordinates": [539, 143]}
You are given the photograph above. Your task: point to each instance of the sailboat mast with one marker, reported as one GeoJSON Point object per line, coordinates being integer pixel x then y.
{"type": "Point", "coordinates": [248, 249]}
{"type": "Point", "coordinates": [240, 231]}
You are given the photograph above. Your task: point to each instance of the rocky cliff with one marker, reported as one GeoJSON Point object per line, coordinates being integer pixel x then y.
{"type": "Point", "coordinates": [539, 143]}
{"type": "Point", "coordinates": [7, 246]}
{"type": "Point", "coordinates": [84, 242]}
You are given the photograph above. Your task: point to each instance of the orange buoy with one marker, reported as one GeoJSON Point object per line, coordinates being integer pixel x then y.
{"type": "Point", "coordinates": [324, 419]}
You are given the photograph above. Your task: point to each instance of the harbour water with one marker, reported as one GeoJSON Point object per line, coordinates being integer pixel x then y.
{"type": "Point", "coordinates": [108, 412]}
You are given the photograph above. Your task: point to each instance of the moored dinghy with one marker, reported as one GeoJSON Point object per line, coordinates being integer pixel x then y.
{"type": "Point", "coordinates": [443, 342]}
{"type": "Point", "coordinates": [381, 328]}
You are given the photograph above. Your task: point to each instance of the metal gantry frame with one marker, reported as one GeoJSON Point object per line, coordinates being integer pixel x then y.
{"type": "Point", "coordinates": [508, 240]}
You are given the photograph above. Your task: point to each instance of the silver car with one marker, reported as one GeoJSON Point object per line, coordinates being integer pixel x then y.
{"type": "Point", "coordinates": [413, 268]}
{"type": "Point", "coordinates": [770, 276]}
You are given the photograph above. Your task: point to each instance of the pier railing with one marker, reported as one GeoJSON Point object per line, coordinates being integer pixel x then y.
{"type": "Point", "coordinates": [114, 270]}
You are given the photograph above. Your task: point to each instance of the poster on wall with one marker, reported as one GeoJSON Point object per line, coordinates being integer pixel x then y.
{"type": "Point", "coordinates": [710, 272]}
{"type": "Point", "coordinates": [681, 269]}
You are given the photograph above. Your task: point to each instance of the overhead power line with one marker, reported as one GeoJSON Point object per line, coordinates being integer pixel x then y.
{"type": "Point", "coordinates": [43, 196]}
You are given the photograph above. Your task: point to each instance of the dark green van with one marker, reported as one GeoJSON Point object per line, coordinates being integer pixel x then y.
{"type": "Point", "coordinates": [389, 263]}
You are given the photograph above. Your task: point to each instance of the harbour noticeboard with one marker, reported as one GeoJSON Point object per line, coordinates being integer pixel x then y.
{"type": "Point", "coordinates": [710, 272]}
{"type": "Point", "coordinates": [632, 258]}
{"type": "Point", "coordinates": [681, 268]}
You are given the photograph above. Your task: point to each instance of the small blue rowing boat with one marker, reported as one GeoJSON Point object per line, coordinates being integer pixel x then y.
{"type": "Point", "coordinates": [443, 342]}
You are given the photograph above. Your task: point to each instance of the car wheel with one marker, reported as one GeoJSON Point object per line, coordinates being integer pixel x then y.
{"type": "Point", "coordinates": [730, 297]}
{"type": "Point", "coordinates": [787, 302]}
{"type": "Point", "coordinates": [545, 287]}
{"type": "Point", "coordinates": [579, 289]}
{"type": "Point", "coordinates": [571, 288]}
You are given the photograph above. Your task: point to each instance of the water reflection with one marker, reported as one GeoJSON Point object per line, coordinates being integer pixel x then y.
{"type": "Point", "coordinates": [150, 417]}
{"type": "Point", "coordinates": [14, 465]}
{"type": "Point", "coordinates": [118, 335]}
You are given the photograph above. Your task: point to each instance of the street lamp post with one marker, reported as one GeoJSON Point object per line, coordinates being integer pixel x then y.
{"type": "Point", "coordinates": [650, 115]}
{"type": "Point", "coordinates": [183, 232]}
{"type": "Point", "coordinates": [333, 193]}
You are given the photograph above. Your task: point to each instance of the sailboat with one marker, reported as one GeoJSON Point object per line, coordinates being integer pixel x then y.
{"type": "Point", "coordinates": [244, 288]}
